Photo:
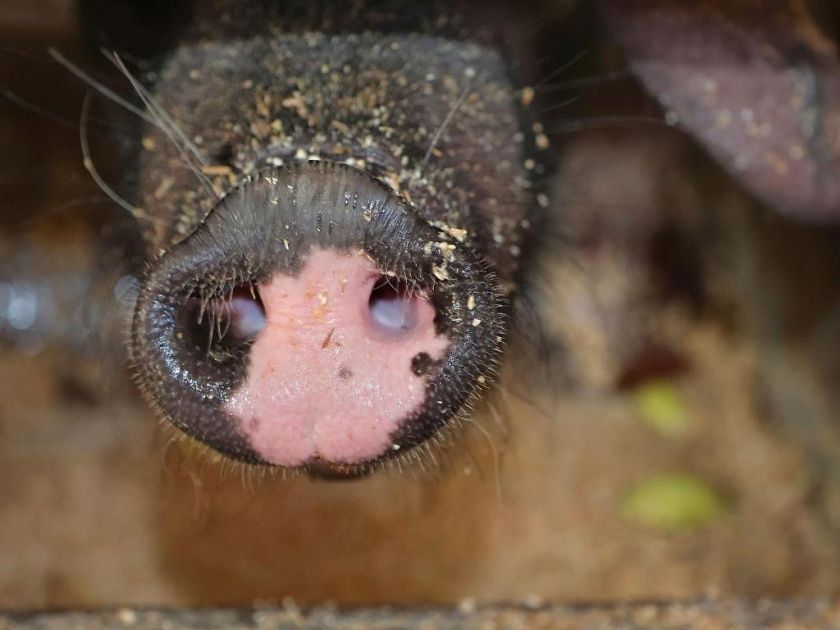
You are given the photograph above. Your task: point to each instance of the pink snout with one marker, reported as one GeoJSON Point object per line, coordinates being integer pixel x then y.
{"type": "Point", "coordinates": [340, 358]}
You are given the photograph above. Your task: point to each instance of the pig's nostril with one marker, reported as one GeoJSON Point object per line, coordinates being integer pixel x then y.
{"type": "Point", "coordinates": [247, 315]}
{"type": "Point", "coordinates": [394, 308]}
{"type": "Point", "coordinates": [231, 319]}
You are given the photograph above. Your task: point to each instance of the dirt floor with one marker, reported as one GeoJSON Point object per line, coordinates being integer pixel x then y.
{"type": "Point", "coordinates": [675, 435]}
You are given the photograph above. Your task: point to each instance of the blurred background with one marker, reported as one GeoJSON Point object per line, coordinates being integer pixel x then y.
{"type": "Point", "coordinates": [667, 423]}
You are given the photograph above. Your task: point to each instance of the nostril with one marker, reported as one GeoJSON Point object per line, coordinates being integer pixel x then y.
{"type": "Point", "coordinates": [228, 320]}
{"type": "Point", "coordinates": [393, 307]}
{"type": "Point", "coordinates": [247, 314]}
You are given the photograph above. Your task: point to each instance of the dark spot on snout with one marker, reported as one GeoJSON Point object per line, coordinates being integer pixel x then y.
{"type": "Point", "coordinates": [421, 364]}
{"type": "Point", "coordinates": [345, 373]}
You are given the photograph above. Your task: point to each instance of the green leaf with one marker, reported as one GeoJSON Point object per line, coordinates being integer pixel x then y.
{"type": "Point", "coordinates": [673, 502]}
{"type": "Point", "coordinates": [660, 406]}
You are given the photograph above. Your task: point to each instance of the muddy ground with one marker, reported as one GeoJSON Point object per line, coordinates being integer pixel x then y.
{"type": "Point", "coordinates": [663, 285]}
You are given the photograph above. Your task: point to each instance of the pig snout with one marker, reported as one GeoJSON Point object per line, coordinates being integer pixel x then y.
{"type": "Point", "coordinates": [315, 320]}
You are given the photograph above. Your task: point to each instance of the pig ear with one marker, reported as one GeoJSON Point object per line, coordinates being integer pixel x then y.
{"type": "Point", "coordinates": [140, 29]}
{"type": "Point", "coordinates": [760, 89]}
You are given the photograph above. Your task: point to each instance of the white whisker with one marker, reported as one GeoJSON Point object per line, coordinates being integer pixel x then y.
{"type": "Point", "coordinates": [575, 84]}
{"type": "Point", "coordinates": [600, 122]}
{"type": "Point", "coordinates": [449, 116]}
{"type": "Point", "coordinates": [562, 68]}
{"type": "Point", "coordinates": [496, 458]}
{"type": "Point", "coordinates": [137, 213]}
{"type": "Point", "coordinates": [168, 126]}
{"type": "Point", "coordinates": [96, 85]}
{"type": "Point", "coordinates": [566, 103]}
{"type": "Point", "coordinates": [501, 423]}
